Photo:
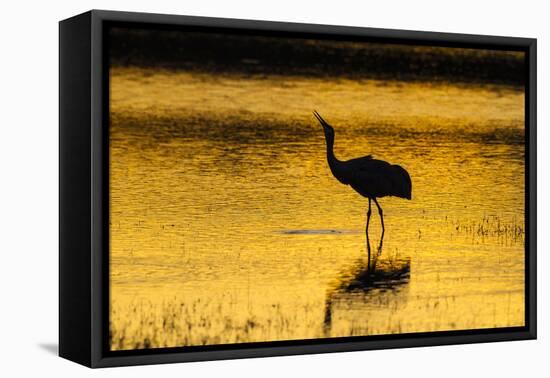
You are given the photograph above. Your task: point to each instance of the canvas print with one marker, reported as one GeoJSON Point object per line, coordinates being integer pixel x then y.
{"type": "Point", "coordinates": [271, 187]}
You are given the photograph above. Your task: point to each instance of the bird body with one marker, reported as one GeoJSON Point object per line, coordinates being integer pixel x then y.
{"type": "Point", "coordinates": [371, 178]}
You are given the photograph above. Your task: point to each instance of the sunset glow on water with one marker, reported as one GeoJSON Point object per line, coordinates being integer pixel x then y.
{"type": "Point", "coordinates": [227, 226]}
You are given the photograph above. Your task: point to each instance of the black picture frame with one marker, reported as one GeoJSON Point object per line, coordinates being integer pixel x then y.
{"type": "Point", "coordinates": [83, 195]}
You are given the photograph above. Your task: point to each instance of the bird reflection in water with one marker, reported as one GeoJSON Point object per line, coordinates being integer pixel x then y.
{"type": "Point", "coordinates": [366, 281]}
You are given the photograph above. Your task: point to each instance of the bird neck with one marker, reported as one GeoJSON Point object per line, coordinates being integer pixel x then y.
{"type": "Point", "coordinates": [332, 160]}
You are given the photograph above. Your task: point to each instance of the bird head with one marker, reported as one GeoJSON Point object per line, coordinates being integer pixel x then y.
{"type": "Point", "coordinates": [329, 131]}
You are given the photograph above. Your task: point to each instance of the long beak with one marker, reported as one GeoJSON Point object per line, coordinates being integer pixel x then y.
{"type": "Point", "coordinates": [320, 119]}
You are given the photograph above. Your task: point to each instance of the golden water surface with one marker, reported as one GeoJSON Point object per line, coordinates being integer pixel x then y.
{"type": "Point", "coordinates": [227, 226]}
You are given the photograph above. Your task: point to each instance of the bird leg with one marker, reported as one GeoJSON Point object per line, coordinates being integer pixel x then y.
{"type": "Point", "coordinates": [381, 218]}
{"type": "Point", "coordinates": [369, 212]}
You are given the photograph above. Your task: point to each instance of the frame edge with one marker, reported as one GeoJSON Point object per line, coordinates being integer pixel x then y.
{"type": "Point", "coordinates": [74, 191]}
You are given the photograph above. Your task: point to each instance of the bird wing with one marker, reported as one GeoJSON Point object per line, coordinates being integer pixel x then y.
{"type": "Point", "coordinates": [368, 177]}
{"type": "Point", "coordinates": [377, 178]}
{"type": "Point", "coordinates": [364, 160]}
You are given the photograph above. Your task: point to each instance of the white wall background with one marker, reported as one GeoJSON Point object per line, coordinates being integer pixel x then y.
{"type": "Point", "coordinates": [29, 185]}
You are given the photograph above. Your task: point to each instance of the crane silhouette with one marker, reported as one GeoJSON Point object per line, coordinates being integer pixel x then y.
{"type": "Point", "coordinates": [369, 177]}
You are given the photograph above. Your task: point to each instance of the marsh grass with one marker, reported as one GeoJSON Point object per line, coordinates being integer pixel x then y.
{"type": "Point", "coordinates": [207, 322]}
{"type": "Point", "coordinates": [490, 228]}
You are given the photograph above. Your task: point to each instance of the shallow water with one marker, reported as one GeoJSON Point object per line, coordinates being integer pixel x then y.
{"type": "Point", "coordinates": [227, 225]}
